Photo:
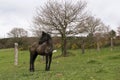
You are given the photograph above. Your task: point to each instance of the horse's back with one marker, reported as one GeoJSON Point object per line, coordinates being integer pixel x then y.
{"type": "Point", "coordinates": [33, 47]}
{"type": "Point", "coordinates": [41, 48]}
{"type": "Point", "coordinates": [44, 49]}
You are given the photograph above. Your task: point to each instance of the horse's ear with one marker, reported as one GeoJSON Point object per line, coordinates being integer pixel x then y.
{"type": "Point", "coordinates": [43, 32]}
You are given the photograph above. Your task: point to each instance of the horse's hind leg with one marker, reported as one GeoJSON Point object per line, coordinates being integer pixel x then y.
{"type": "Point", "coordinates": [46, 68]}
{"type": "Point", "coordinates": [48, 62]}
{"type": "Point", "coordinates": [32, 59]}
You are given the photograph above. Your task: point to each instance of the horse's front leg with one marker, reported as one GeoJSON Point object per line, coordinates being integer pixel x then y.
{"type": "Point", "coordinates": [46, 68]}
{"type": "Point", "coordinates": [50, 60]}
{"type": "Point", "coordinates": [32, 59]}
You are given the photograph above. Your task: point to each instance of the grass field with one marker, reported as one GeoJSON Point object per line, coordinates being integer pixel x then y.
{"type": "Point", "coordinates": [93, 65]}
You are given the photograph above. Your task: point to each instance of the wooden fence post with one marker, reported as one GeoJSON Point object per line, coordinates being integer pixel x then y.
{"type": "Point", "coordinates": [111, 44]}
{"type": "Point", "coordinates": [16, 53]}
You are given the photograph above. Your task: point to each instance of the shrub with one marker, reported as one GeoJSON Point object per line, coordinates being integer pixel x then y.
{"type": "Point", "coordinates": [74, 46]}
{"type": "Point", "coordinates": [58, 45]}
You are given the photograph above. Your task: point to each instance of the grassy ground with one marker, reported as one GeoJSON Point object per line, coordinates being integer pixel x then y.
{"type": "Point", "coordinates": [103, 65]}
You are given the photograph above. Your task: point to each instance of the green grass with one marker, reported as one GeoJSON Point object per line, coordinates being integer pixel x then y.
{"type": "Point", "coordinates": [93, 65]}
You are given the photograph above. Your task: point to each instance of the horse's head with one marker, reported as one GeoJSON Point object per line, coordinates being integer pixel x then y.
{"type": "Point", "coordinates": [44, 37]}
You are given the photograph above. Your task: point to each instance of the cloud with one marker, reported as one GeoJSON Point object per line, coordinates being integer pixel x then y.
{"type": "Point", "coordinates": [19, 13]}
{"type": "Point", "coordinates": [107, 10]}
{"type": "Point", "coordinates": [16, 13]}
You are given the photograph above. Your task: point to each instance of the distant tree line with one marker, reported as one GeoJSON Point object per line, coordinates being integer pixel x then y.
{"type": "Point", "coordinates": [23, 43]}
{"type": "Point", "coordinates": [73, 42]}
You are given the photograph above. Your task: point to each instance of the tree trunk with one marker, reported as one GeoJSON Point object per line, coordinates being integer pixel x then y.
{"type": "Point", "coordinates": [64, 47]}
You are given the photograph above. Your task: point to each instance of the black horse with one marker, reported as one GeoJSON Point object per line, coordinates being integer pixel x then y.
{"type": "Point", "coordinates": [44, 47]}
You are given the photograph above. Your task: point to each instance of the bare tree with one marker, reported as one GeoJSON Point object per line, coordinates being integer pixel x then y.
{"type": "Point", "coordinates": [100, 34]}
{"type": "Point", "coordinates": [95, 29]}
{"type": "Point", "coordinates": [17, 32]}
{"type": "Point", "coordinates": [19, 35]}
{"type": "Point", "coordinates": [60, 18]}
{"type": "Point", "coordinates": [92, 25]}
{"type": "Point", "coordinates": [112, 35]}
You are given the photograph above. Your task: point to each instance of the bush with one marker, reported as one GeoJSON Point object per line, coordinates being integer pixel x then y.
{"type": "Point", "coordinates": [74, 46]}
{"type": "Point", "coordinates": [58, 45]}
{"type": "Point", "coordinates": [23, 47]}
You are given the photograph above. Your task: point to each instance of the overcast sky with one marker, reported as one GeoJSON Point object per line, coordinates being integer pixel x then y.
{"type": "Point", "coordinates": [19, 13]}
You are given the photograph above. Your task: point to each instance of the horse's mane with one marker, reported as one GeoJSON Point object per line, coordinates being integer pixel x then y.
{"type": "Point", "coordinates": [45, 37]}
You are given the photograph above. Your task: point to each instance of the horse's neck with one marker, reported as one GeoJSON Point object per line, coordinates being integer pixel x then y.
{"type": "Point", "coordinates": [49, 42]}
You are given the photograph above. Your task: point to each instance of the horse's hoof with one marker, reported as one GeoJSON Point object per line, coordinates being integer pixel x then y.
{"type": "Point", "coordinates": [31, 70]}
{"type": "Point", "coordinates": [47, 69]}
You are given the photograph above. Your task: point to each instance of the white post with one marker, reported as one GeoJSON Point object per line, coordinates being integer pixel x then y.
{"type": "Point", "coordinates": [16, 53]}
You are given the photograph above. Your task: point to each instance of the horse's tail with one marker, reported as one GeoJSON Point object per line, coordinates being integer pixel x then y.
{"type": "Point", "coordinates": [54, 51]}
